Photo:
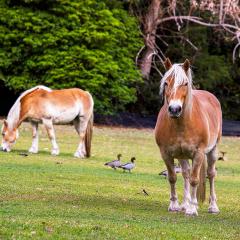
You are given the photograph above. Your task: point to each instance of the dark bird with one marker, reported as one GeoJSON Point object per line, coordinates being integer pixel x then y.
{"type": "Point", "coordinates": [115, 163]}
{"type": "Point", "coordinates": [222, 157]}
{"type": "Point", "coordinates": [177, 169]}
{"type": "Point", "coordinates": [23, 154]}
{"type": "Point", "coordinates": [145, 192]}
{"type": "Point", "coordinates": [128, 166]}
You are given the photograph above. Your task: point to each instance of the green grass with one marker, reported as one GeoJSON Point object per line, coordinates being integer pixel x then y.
{"type": "Point", "coordinates": [82, 199]}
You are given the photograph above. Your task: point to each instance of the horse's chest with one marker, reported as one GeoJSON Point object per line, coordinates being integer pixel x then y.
{"type": "Point", "coordinates": [181, 149]}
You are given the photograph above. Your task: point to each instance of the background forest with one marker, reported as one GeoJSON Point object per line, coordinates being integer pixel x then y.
{"type": "Point", "coordinates": [95, 45]}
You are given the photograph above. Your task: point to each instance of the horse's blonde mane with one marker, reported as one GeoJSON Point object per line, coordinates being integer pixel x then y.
{"type": "Point", "coordinates": [179, 75]}
{"type": "Point", "coordinates": [14, 113]}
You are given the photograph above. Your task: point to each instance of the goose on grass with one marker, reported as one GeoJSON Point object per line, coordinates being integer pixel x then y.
{"type": "Point", "coordinates": [115, 163]}
{"type": "Point", "coordinates": [128, 166]}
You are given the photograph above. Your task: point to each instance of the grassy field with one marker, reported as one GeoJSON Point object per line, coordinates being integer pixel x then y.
{"type": "Point", "coordinates": [47, 197]}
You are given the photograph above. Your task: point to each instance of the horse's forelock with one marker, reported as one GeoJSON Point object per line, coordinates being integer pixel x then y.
{"type": "Point", "coordinates": [179, 75]}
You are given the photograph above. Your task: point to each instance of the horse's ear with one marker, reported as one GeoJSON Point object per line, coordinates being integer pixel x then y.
{"type": "Point", "coordinates": [5, 123]}
{"type": "Point", "coordinates": [186, 65]}
{"type": "Point", "coordinates": [167, 64]}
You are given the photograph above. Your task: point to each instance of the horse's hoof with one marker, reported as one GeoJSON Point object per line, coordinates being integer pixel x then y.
{"type": "Point", "coordinates": [184, 207]}
{"type": "Point", "coordinates": [78, 155]}
{"type": "Point", "coordinates": [191, 212]}
{"type": "Point", "coordinates": [33, 150]}
{"type": "Point", "coordinates": [213, 210]}
{"type": "Point", "coordinates": [174, 207]}
{"type": "Point", "coordinates": [55, 152]}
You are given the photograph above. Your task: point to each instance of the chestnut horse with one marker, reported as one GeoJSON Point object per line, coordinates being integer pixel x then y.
{"type": "Point", "coordinates": [43, 105]}
{"type": "Point", "coordinates": [189, 126]}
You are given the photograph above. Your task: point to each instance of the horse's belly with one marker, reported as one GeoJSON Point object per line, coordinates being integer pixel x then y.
{"type": "Point", "coordinates": [64, 116]}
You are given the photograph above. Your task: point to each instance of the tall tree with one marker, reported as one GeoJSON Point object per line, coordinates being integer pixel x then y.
{"type": "Point", "coordinates": [86, 44]}
{"type": "Point", "coordinates": [155, 16]}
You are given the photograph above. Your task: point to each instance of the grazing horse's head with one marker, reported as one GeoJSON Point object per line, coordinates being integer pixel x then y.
{"type": "Point", "coordinates": [176, 87]}
{"type": "Point", "coordinates": [9, 136]}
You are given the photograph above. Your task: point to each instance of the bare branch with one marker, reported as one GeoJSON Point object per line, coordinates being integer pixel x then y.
{"type": "Point", "coordinates": [138, 54]}
{"type": "Point", "coordinates": [224, 16]}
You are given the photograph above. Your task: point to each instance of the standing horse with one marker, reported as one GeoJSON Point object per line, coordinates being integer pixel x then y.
{"type": "Point", "coordinates": [189, 126]}
{"type": "Point", "coordinates": [41, 104]}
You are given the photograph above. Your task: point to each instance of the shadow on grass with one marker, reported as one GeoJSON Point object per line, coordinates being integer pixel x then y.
{"type": "Point", "coordinates": [22, 152]}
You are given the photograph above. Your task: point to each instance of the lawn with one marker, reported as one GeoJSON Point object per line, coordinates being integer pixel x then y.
{"type": "Point", "coordinates": [61, 197]}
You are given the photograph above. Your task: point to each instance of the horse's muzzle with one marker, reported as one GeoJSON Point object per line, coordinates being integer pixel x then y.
{"type": "Point", "coordinates": [175, 111]}
{"type": "Point", "coordinates": [4, 149]}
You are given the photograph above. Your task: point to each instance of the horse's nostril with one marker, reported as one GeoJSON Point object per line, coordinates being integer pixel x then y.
{"type": "Point", "coordinates": [174, 109]}
{"type": "Point", "coordinates": [5, 150]}
{"type": "Point", "coordinates": [178, 109]}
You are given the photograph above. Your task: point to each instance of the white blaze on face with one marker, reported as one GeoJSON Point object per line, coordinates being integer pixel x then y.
{"type": "Point", "coordinates": [5, 146]}
{"type": "Point", "coordinates": [174, 103]}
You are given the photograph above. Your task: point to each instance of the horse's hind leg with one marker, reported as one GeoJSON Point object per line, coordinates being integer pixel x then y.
{"type": "Point", "coordinates": [172, 178]}
{"type": "Point", "coordinates": [211, 171]}
{"type": "Point", "coordinates": [186, 175]}
{"type": "Point", "coordinates": [34, 147]}
{"type": "Point", "coordinates": [51, 134]}
{"type": "Point", "coordinates": [80, 125]}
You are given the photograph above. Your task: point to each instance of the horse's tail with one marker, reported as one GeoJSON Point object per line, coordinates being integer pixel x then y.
{"type": "Point", "coordinates": [201, 190]}
{"type": "Point", "coordinates": [88, 136]}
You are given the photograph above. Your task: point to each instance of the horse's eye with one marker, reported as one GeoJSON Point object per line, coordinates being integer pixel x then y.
{"type": "Point", "coordinates": [3, 134]}
{"type": "Point", "coordinates": [185, 84]}
{"type": "Point", "coordinates": [165, 84]}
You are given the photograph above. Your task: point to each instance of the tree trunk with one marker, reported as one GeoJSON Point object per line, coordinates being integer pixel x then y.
{"type": "Point", "coordinates": [149, 31]}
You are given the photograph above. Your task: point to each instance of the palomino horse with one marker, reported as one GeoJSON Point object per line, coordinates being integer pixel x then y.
{"type": "Point", "coordinates": [41, 104]}
{"type": "Point", "coordinates": [189, 126]}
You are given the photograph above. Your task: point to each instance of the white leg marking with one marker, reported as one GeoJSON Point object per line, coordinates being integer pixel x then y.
{"type": "Point", "coordinates": [34, 147]}
{"type": "Point", "coordinates": [186, 174]}
{"type": "Point", "coordinates": [174, 205]}
{"type": "Point", "coordinates": [81, 126]}
{"type": "Point", "coordinates": [193, 204]}
{"type": "Point", "coordinates": [50, 130]}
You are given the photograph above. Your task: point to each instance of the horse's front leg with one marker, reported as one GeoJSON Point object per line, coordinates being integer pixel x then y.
{"type": "Point", "coordinates": [186, 176]}
{"type": "Point", "coordinates": [34, 147]}
{"type": "Point", "coordinates": [194, 181]}
{"type": "Point", "coordinates": [51, 134]}
{"type": "Point", "coordinates": [211, 171]}
{"type": "Point", "coordinates": [172, 178]}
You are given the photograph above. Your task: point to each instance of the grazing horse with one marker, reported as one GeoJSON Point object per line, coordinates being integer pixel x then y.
{"type": "Point", "coordinates": [189, 126]}
{"type": "Point", "coordinates": [43, 105]}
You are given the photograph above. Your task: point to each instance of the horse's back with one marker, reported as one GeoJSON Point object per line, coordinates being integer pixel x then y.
{"type": "Point", "coordinates": [60, 105]}
{"type": "Point", "coordinates": [63, 97]}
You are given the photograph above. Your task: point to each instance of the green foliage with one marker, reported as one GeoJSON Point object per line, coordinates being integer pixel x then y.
{"type": "Point", "coordinates": [61, 44]}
